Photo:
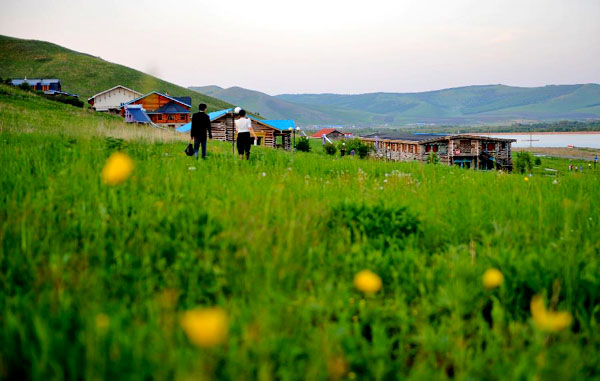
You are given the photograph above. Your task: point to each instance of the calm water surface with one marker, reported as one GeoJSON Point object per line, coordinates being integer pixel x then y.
{"type": "Point", "coordinates": [552, 140]}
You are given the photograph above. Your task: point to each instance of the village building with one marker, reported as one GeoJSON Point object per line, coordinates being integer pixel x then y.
{"type": "Point", "coordinates": [275, 135]}
{"type": "Point", "coordinates": [467, 151]}
{"type": "Point", "coordinates": [330, 133]}
{"type": "Point", "coordinates": [45, 85]}
{"type": "Point", "coordinates": [163, 110]}
{"type": "Point", "coordinates": [111, 100]}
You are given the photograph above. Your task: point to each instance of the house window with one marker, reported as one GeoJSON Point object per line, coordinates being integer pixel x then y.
{"type": "Point", "coordinates": [491, 147]}
{"type": "Point", "coordinates": [427, 148]}
{"type": "Point", "coordinates": [182, 116]}
{"type": "Point", "coordinates": [435, 148]}
{"type": "Point", "coordinates": [159, 117]}
{"type": "Point", "coordinates": [171, 117]}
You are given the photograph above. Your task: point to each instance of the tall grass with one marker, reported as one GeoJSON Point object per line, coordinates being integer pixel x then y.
{"type": "Point", "coordinates": [94, 278]}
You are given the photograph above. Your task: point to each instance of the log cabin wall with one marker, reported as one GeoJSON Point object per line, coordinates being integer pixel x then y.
{"type": "Point", "coordinates": [223, 130]}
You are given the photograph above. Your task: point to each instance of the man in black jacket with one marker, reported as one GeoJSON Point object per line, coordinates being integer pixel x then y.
{"type": "Point", "coordinates": [200, 125]}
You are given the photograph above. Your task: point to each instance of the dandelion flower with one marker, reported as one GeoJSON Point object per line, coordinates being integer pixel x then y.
{"type": "Point", "coordinates": [205, 327]}
{"type": "Point", "coordinates": [526, 179]}
{"type": "Point", "coordinates": [492, 278]}
{"type": "Point", "coordinates": [117, 169]}
{"type": "Point", "coordinates": [549, 321]}
{"type": "Point", "coordinates": [367, 282]}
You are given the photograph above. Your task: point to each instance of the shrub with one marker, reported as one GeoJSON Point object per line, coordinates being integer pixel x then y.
{"type": "Point", "coordinates": [302, 144]}
{"type": "Point", "coordinates": [66, 99]}
{"type": "Point", "coordinates": [360, 148]}
{"type": "Point", "coordinates": [523, 162]}
{"type": "Point", "coordinates": [330, 148]}
{"type": "Point", "coordinates": [538, 161]}
{"type": "Point", "coordinates": [433, 158]}
{"type": "Point", "coordinates": [25, 86]}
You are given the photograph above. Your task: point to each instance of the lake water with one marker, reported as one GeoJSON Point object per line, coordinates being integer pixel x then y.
{"type": "Point", "coordinates": [552, 140]}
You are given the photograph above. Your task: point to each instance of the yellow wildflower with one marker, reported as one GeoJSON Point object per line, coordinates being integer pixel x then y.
{"type": "Point", "coordinates": [117, 169]}
{"type": "Point", "coordinates": [367, 282]}
{"type": "Point", "coordinates": [526, 179]}
{"type": "Point", "coordinates": [492, 278]}
{"type": "Point", "coordinates": [205, 327]}
{"type": "Point", "coordinates": [549, 321]}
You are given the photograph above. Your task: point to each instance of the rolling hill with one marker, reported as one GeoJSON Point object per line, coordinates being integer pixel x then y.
{"type": "Point", "coordinates": [274, 108]}
{"type": "Point", "coordinates": [81, 73]}
{"type": "Point", "coordinates": [467, 105]}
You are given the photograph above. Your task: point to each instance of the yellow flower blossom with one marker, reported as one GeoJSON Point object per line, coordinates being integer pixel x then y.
{"type": "Point", "coordinates": [367, 282]}
{"type": "Point", "coordinates": [492, 278]}
{"type": "Point", "coordinates": [549, 321]}
{"type": "Point", "coordinates": [117, 169]}
{"type": "Point", "coordinates": [526, 179]}
{"type": "Point", "coordinates": [205, 327]}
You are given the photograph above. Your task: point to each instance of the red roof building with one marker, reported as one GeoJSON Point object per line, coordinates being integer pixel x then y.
{"type": "Point", "coordinates": [330, 133]}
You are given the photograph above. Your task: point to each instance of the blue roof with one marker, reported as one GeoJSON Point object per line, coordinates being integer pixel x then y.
{"type": "Point", "coordinates": [139, 115]}
{"type": "Point", "coordinates": [280, 124]}
{"type": "Point", "coordinates": [170, 108]}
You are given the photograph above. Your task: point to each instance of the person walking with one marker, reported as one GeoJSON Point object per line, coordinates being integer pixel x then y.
{"type": "Point", "coordinates": [243, 125]}
{"type": "Point", "coordinates": [200, 126]}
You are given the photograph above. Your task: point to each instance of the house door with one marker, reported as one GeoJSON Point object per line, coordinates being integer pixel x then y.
{"type": "Point", "coordinates": [260, 139]}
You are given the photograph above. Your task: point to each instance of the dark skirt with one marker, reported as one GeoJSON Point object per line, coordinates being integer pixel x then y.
{"type": "Point", "coordinates": [244, 142]}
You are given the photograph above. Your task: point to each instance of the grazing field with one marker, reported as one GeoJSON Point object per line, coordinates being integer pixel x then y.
{"type": "Point", "coordinates": [247, 270]}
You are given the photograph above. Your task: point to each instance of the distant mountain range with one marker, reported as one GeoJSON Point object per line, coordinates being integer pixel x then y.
{"type": "Point", "coordinates": [488, 104]}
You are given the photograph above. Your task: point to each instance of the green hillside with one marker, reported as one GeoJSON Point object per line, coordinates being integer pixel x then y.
{"type": "Point", "coordinates": [82, 73]}
{"type": "Point", "coordinates": [274, 108]}
{"type": "Point", "coordinates": [471, 104]}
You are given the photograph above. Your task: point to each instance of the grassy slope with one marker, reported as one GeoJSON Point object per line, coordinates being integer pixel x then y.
{"type": "Point", "coordinates": [485, 103]}
{"type": "Point", "coordinates": [94, 278]}
{"type": "Point", "coordinates": [274, 108]}
{"type": "Point", "coordinates": [81, 73]}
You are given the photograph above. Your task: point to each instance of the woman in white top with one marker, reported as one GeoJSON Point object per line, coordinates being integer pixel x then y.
{"type": "Point", "coordinates": [243, 125]}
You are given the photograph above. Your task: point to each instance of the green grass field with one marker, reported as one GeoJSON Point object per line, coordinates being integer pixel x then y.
{"type": "Point", "coordinates": [95, 278]}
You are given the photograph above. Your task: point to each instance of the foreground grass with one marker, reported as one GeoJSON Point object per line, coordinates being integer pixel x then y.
{"type": "Point", "coordinates": [94, 278]}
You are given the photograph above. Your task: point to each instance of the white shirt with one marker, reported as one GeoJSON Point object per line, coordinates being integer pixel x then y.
{"type": "Point", "coordinates": [243, 125]}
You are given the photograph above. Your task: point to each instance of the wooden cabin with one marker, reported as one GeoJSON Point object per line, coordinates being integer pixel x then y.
{"type": "Point", "coordinates": [467, 151]}
{"type": "Point", "coordinates": [162, 109]}
{"type": "Point", "coordinates": [330, 133]}
{"type": "Point", "coordinates": [111, 100]}
{"type": "Point", "coordinates": [276, 134]}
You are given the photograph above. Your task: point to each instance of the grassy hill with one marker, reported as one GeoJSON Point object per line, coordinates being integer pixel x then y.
{"type": "Point", "coordinates": [471, 104]}
{"type": "Point", "coordinates": [81, 73]}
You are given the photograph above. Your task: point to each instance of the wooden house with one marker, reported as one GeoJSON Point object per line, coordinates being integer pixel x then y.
{"type": "Point", "coordinates": [162, 109]}
{"type": "Point", "coordinates": [467, 151]}
{"type": "Point", "coordinates": [112, 99]}
{"type": "Point", "coordinates": [275, 135]}
{"type": "Point", "coordinates": [330, 133]}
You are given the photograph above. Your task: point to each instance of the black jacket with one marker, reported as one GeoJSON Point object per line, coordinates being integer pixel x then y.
{"type": "Point", "coordinates": [200, 124]}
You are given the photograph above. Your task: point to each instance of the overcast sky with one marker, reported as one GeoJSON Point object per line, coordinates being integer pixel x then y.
{"type": "Point", "coordinates": [279, 46]}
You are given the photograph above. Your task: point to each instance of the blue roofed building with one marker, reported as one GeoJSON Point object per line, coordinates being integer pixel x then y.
{"type": "Point", "coordinates": [136, 114]}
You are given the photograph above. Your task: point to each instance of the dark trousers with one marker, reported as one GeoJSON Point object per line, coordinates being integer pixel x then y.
{"type": "Point", "coordinates": [197, 143]}
{"type": "Point", "coordinates": [244, 142]}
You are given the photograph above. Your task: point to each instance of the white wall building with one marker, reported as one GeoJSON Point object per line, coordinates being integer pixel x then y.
{"type": "Point", "coordinates": [111, 99]}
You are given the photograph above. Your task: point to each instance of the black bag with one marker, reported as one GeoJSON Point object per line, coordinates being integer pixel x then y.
{"type": "Point", "coordinates": [189, 150]}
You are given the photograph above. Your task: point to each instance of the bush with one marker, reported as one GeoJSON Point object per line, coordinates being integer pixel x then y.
{"type": "Point", "coordinates": [303, 144]}
{"type": "Point", "coordinates": [24, 86]}
{"type": "Point", "coordinates": [538, 161]}
{"type": "Point", "coordinates": [524, 162]}
{"type": "Point", "coordinates": [433, 158]}
{"type": "Point", "coordinates": [330, 148]}
{"type": "Point", "coordinates": [65, 99]}
{"type": "Point", "coordinates": [360, 148]}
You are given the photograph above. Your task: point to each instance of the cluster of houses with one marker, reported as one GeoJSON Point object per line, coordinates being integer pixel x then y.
{"type": "Point", "coordinates": [161, 109]}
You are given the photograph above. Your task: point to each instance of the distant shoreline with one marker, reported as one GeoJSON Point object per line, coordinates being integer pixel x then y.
{"type": "Point", "coordinates": [540, 133]}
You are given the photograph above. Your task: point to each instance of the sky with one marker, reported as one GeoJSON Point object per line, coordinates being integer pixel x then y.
{"type": "Point", "coordinates": [327, 46]}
